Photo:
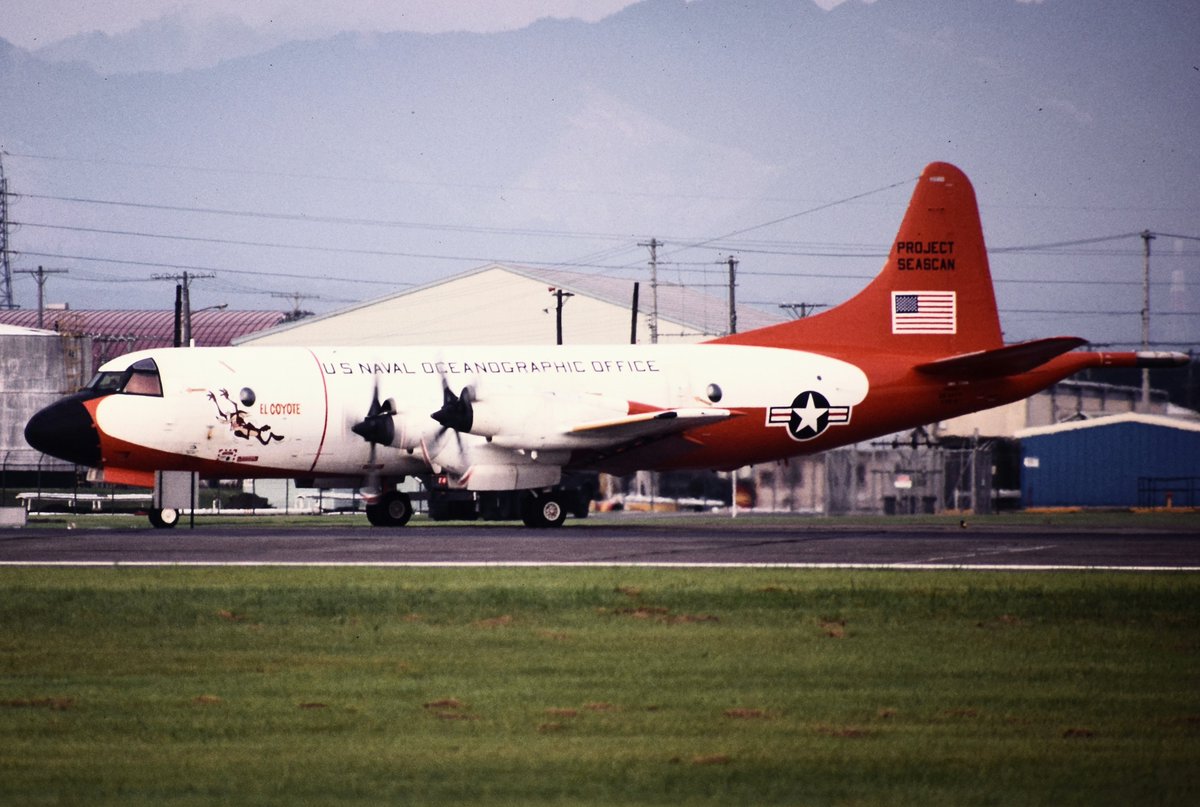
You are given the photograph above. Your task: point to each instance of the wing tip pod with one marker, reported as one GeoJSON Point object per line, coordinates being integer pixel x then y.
{"type": "Point", "coordinates": [1163, 359]}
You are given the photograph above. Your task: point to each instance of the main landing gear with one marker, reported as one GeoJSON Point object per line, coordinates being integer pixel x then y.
{"type": "Point", "coordinates": [541, 510]}
{"type": "Point", "coordinates": [393, 509]}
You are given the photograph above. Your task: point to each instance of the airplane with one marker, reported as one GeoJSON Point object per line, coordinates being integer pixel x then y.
{"type": "Point", "coordinates": [920, 343]}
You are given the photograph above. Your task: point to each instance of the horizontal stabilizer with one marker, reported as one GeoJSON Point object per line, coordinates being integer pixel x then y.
{"type": "Point", "coordinates": [1002, 361]}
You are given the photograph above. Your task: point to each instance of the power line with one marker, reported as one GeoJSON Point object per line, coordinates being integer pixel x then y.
{"type": "Point", "coordinates": [340, 220]}
{"type": "Point", "coordinates": [548, 264]}
{"type": "Point", "coordinates": [796, 215]}
{"type": "Point", "coordinates": [310, 248]}
{"type": "Point", "coordinates": [195, 268]}
{"type": "Point", "coordinates": [787, 248]}
{"type": "Point", "coordinates": [1075, 243]}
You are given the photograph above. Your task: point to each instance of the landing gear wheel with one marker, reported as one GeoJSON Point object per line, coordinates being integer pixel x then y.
{"type": "Point", "coordinates": [164, 519]}
{"type": "Point", "coordinates": [546, 510]}
{"type": "Point", "coordinates": [393, 509]}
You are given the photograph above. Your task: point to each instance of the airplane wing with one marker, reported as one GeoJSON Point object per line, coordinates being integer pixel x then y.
{"type": "Point", "coordinates": [659, 423]}
{"type": "Point", "coordinates": [609, 433]}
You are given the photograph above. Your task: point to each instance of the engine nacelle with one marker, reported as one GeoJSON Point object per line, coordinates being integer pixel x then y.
{"type": "Point", "coordinates": [544, 414]}
{"type": "Point", "coordinates": [511, 477]}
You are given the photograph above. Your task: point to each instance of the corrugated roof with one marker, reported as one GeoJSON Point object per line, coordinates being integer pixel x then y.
{"type": "Point", "coordinates": [1161, 421]}
{"type": "Point", "coordinates": [116, 332]}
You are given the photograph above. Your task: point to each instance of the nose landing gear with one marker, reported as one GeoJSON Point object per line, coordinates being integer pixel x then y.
{"type": "Point", "coordinates": [393, 509]}
{"type": "Point", "coordinates": [164, 518]}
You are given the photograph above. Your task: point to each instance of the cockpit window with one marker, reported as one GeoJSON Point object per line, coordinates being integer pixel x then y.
{"type": "Point", "coordinates": [140, 379]}
{"type": "Point", "coordinates": [106, 382]}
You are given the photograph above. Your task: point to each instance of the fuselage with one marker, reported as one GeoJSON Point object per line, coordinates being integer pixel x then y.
{"type": "Point", "coordinates": [282, 411]}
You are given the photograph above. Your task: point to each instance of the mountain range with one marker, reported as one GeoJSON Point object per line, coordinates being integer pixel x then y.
{"type": "Point", "coordinates": [346, 167]}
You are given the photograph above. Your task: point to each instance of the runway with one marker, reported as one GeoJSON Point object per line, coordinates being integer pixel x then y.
{"type": "Point", "coordinates": [609, 542]}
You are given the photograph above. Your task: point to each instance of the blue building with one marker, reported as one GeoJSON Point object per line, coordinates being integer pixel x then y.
{"type": "Point", "coordinates": [1127, 460]}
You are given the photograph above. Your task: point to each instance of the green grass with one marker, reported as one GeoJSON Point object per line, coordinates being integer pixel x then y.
{"type": "Point", "coordinates": [608, 686]}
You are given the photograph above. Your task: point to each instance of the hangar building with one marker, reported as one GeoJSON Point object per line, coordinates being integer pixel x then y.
{"type": "Point", "coordinates": [1126, 460]}
{"type": "Point", "coordinates": [508, 305]}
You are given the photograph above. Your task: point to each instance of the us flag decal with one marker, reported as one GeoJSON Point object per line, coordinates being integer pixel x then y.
{"type": "Point", "coordinates": [921, 312]}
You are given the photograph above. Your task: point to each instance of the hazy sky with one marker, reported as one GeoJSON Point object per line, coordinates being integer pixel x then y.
{"type": "Point", "coordinates": [35, 23]}
{"type": "Point", "coordinates": [1076, 131]}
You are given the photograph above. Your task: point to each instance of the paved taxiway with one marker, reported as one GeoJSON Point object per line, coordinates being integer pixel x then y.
{"type": "Point", "coordinates": [668, 543]}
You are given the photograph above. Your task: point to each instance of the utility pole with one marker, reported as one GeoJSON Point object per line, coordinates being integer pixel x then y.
{"type": "Point", "coordinates": [178, 315]}
{"type": "Point", "coordinates": [6, 290]}
{"type": "Point", "coordinates": [733, 502]}
{"type": "Point", "coordinates": [1147, 237]}
{"type": "Point", "coordinates": [561, 297]}
{"type": "Point", "coordinates": [39, 274]}
{"type": "Point", "coordinates": [654, 244]}
{"type": "Point", "coordinates": [634, 315]}
{"type": "Point", "coordinates": [733, 262]}
{"type": "Point", "coordinates": [183, 310]}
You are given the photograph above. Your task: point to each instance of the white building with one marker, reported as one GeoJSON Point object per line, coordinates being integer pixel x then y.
{"type": "Point", "coordinates": [499, 304]}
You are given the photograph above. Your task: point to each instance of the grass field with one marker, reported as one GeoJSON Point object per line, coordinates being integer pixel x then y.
{"type": "Point", "coordinates": [597, 686]}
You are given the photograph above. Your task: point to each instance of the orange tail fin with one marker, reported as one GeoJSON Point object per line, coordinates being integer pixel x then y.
{"type": "Point", "coordinates": [934, 297]}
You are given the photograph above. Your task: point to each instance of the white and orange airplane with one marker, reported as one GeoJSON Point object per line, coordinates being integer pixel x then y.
{"type": "Point", "coordinates": [920, 343]}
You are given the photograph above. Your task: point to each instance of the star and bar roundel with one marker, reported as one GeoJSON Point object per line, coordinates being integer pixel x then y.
{"type": "Point", "coordinates": [808, 416]}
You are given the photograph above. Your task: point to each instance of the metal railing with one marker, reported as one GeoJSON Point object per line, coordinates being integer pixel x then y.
{"type": "Point", "coordinates": [1169, 491]}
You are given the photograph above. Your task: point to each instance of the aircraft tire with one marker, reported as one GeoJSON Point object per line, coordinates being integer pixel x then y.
{"type": "Point", "coordinates": [164, 519]}
{"type": "Point", "coordinates": [393, 509]}
{"type": "Point", "coordinates": [543, 511]}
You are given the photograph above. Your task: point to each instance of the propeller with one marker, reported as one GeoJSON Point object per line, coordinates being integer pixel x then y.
{"type": "Point", "coordinates": [376, 428]}
{"type": "Point", "coordinates": [456, 412]}
{"type": "Point", "coordinates": [456, 415]}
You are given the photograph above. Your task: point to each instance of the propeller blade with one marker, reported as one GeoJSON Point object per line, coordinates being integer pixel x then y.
{"type": "Point", "coordinates": [457, 412]}
{"type": "Point", "coordinates": [377, 427]}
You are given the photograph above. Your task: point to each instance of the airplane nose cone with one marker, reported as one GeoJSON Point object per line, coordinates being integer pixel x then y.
{"type": "Point", "coordinates": [65, 429]}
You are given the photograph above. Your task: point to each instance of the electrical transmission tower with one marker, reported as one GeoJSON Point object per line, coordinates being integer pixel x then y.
{"type": "Point", "coordinates": [295, 296]}
{"type": "Point", "coordinates": [801, 310]}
